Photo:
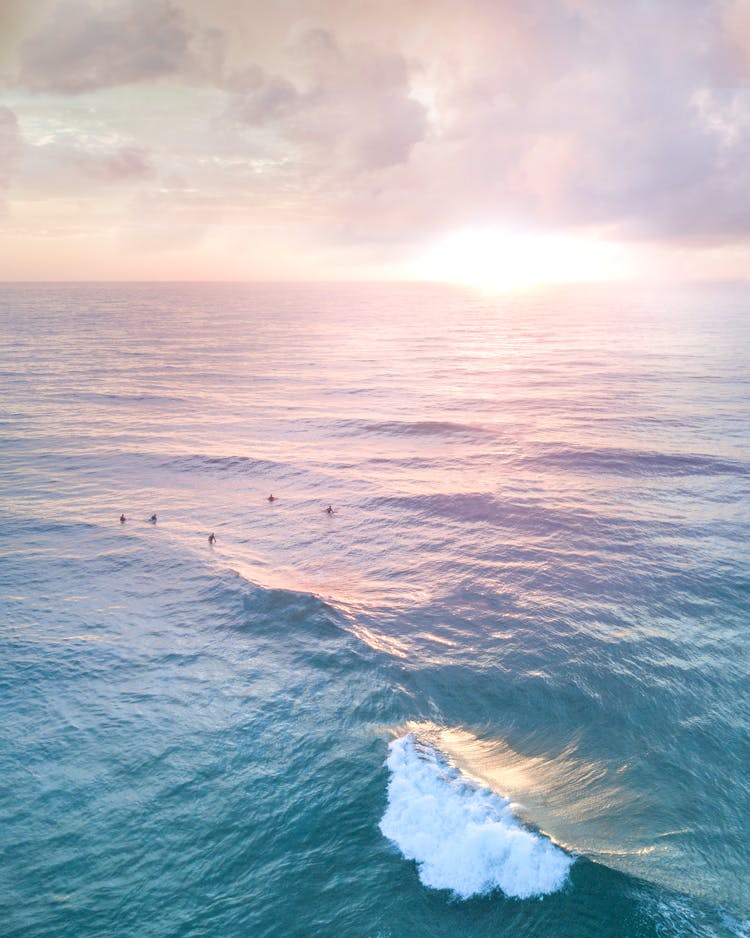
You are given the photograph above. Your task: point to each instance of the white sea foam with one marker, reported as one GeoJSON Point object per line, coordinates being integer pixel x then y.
{"type": "Point", "coordinates": [463, 837]}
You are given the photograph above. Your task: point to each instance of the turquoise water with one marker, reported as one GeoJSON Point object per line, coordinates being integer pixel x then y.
{"type": "Point", "coordinates": [503, 689]}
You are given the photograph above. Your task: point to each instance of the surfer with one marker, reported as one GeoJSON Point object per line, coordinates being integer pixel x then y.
{"type": "Point", "coordinates": [271, 498]}
{"type": "Point", "coordinates": [212, 538]}
{"type": "Point", "coordinates": [329, 510]}
{"type": "Point", "coordinates": [152, 519]}
{"type": "Point", "coordinates": [123, 519]}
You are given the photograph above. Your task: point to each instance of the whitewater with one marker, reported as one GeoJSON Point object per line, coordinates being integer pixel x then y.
{"type": "Point", "coordinates": [501, 689]}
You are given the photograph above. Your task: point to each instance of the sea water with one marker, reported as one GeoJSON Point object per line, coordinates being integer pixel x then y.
{"type": "Point", "coordinates": [501, 690]}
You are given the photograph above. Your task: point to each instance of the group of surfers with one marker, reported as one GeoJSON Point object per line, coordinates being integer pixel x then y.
{"type": "Point", "coordinates": [212, 537]}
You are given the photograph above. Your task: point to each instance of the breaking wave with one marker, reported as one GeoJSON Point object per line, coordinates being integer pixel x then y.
{"type": "Point", "coordinates": [463, 837]}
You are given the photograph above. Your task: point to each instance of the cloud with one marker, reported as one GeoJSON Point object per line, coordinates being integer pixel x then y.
{"type": "Point", "coordinates": [9, 143]}
{"type": "Point", "coordinates": [569, 114]}
{"type": "Point", "coordinates": [86, 45]}
{"type": "Point", "coordinates": [349, 109]}
{"type": "Point", "coordinates": [736, 30]}
{"type": "Point", "coordinates": [10, 148]}
{"type": "Point", "coordinates": [68, 163]}
{"type": "Point", "coordinates": [118, 165]}
{"type": "Point", "coordinates": [369, 123]}
{"type": "Point", "coordinates": [552, 114]}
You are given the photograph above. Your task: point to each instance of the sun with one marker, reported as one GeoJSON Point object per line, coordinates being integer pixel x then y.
{"type": "Point", "coordinates": [499, 260]}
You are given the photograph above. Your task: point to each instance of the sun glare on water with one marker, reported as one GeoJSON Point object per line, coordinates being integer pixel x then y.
{"type": "Point", "coordinates": [497, 260]}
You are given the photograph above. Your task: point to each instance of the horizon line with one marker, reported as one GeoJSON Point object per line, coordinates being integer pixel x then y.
{"type": "Point", "coordinates": [644, 282]}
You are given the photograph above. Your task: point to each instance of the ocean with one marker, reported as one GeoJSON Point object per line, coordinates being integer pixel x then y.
{"type": "Point", "coordinates": [502, 689]}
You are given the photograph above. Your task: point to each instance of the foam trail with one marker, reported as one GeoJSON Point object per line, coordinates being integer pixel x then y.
{"type": "Point", "coordinates": [463, 837]}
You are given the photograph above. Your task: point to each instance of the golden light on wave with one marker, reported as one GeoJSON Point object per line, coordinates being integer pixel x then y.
{"type": "Point", "coordinates": [570, 799]}
{"type": "Point", "coordinates": [504, 261]}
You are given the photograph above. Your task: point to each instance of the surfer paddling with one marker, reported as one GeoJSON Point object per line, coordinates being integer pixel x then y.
{"type": "Point", "coordinates": [271, 498]}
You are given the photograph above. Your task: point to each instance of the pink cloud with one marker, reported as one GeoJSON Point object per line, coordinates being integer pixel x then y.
{"type": "Point", "coordinates": [350, 110]}
{"type": "Point", "coordinates": [121, 164]}
{"type": "Point", "coordinates": [373, 124]}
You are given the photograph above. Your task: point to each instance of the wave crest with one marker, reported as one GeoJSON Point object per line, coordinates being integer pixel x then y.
{"type": "Point", "coordinates": [463, 837]}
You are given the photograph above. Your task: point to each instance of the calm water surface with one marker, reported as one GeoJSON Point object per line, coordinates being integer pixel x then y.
{"type": "Point", "coordinates": [503, 689]}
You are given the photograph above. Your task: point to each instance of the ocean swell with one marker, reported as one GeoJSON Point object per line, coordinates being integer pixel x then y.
{"type": "Point", "coordinates": [633, 462]}
{"type": "Point", "coordinates": [463, 837]}
{"type": "Point", "coordinates": [410, 428]}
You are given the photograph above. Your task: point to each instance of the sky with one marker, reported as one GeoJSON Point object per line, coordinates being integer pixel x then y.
{"type": "Point", "coordinates": [499, 142]}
